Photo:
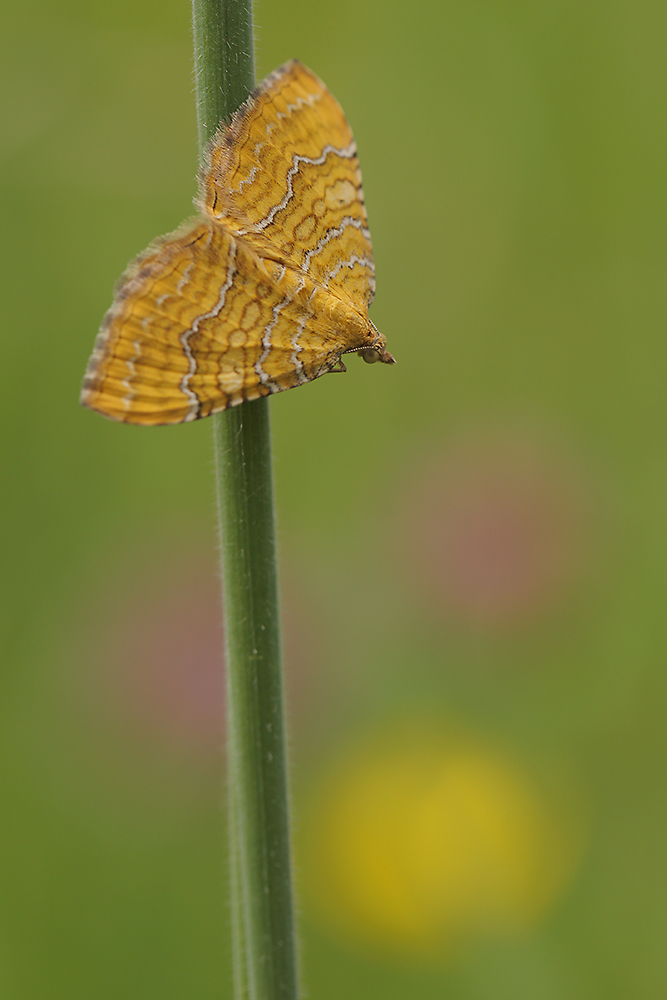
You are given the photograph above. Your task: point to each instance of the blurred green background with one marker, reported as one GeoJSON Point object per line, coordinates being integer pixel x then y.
{"type": "Point", "coordinates": [473, 544]}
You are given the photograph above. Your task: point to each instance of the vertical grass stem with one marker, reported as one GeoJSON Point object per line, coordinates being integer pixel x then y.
{"type": "Point", "coordinates": [262, 909]}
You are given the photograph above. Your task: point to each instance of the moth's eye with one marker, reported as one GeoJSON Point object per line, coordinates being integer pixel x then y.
{"type": "Point", "coordinates": [370, 355]}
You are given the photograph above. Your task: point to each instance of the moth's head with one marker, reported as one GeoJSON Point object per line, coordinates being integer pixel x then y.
{"type": "Point", "coordinates": [376, 350]}
{"type": "Point", "coordinates": [379, 353]}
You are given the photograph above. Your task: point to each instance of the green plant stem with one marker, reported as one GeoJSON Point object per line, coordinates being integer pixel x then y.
{"type": "Point", "coordinates": [257, 766]}
{"type": "Point", "coordinates": [264, 949]}
{"type": "Point", "coordinates": [224, 60]}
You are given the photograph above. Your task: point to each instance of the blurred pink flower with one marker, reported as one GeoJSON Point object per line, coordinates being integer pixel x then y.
{"type": "Point", "coordinates": [158, 648]}
{"type": "Point", "coordinates": [167, 654]}
{"type": "Point", "coordinates": [495, 529]}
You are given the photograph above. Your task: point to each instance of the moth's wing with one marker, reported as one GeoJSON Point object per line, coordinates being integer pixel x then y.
{"type": "Point", "coordinates": [285, 175]}
{"type": "Point", "coordinates": [200, 322]}
{"type": "Point", "coordinates": [304, 331]}
{"type": "Point", "coordinates": [143, 369]}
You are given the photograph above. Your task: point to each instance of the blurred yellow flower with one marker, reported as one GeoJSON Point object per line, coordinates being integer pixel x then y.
{"type": "Point", "coordinates": [416, 842]}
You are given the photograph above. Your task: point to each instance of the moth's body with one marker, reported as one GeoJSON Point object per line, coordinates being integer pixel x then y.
{"type": "Point", "coordinates": [267, 289]}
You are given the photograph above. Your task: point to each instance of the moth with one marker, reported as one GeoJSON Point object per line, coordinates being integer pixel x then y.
{"type": "Point", "coordinates": [266, 288]}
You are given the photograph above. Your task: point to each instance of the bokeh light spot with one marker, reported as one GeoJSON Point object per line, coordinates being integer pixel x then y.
{"type": "Point", "coordinates": [417, 843]}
